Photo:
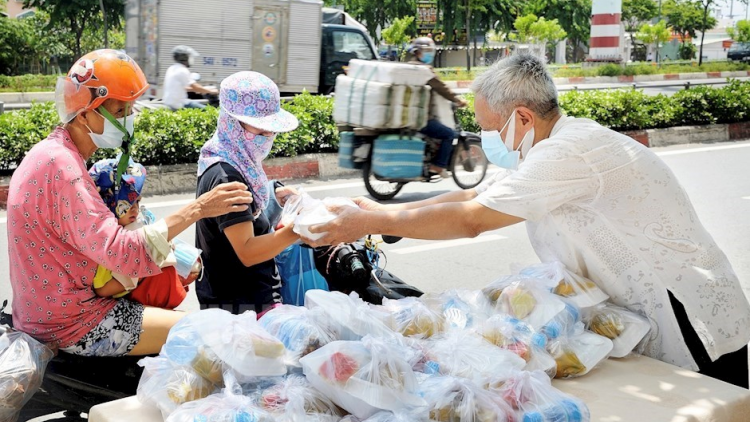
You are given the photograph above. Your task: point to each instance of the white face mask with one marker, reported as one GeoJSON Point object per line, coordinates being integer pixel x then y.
{"type": "Point", "coordinates": [111, 136]}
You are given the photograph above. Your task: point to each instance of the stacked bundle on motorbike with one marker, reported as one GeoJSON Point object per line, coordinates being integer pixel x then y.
{"type": "Point", "coordinates": [392, 100]}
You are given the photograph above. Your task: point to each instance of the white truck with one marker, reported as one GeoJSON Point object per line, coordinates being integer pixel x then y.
{"type": "Point", "coordinates": [285, 40]}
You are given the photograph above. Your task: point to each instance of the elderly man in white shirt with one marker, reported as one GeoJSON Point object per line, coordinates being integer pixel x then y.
{"type": "Point", "coordinates": [601, 203]}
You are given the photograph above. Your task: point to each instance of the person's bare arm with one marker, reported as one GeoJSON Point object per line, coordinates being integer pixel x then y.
{"type": "Point", "coordinates": [223, 199]}
{"type": "Point", "coordinates": [455, 196]}
{"type": "Point", "coordinates": [109, 289]}
{"type": "Point", "coordinates": [441, 221]}
{"type": "Point", "coordinates": [252, 250]}
{"type": "Point", "coordinates": [196, 87]}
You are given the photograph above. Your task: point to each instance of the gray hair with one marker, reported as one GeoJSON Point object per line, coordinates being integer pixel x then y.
{"type": "Point", "coordinates": [521, 80]}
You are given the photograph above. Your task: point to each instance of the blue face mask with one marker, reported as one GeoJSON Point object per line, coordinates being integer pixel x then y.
{"type": "Point", "coordinates": [496, 150]}
{"type": "Point", "coordinates": [427, 58]}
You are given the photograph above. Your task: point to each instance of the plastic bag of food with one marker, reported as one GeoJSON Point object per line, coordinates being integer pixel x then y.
{"type": "Point", "coordinates": [452, 399]}
{"type": "Point", "coordinates": [526, 300]}
{"type": "Point", "coordinates": [563, 324]}
{"type": "Point", "coordinates": [537, 400]}
{"type": "Point", "coordinates": [579, 290]}
{"type": "Point", "coordinates": [460, 308]}
{"type": "Point", "coordinates": [577, 354]}
{"type": "Point", "coordinates": [296, 400]}
{"type": "Point", "coordinates": [364, 377]}
{"type": "Point", "coordinates": [301, 330]}
{"type": "Point", "coordinates": [23, 361]}
{"type": "Point", "coordinates": [244, 346]}
{"type": "Point", "coordinates": [626, 329]}
{"type": "Point", "coordinates": [493, 290]}
{"type": "Point", "coordinates": [412, 318]}
{"type": "Point", "coordinates": [184, 346]}
{"type": "Point", "coordinates": [520, 338]}
{"type": "Point", "coordinates": [389, 417]}
{"type": "Point", "coordinates": [349, 316]}
{"type": "Point", "coordinates": [465, 354]}
{"type": "Point", "coordinates": [306, 211]}
{"type": "Point", "coordinates": [166, 385]}
{"type": "Point", "coordinates": [227, 406]}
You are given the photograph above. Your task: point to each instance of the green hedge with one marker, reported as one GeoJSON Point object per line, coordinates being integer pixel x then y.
{"type": "Point", "coordinates": [27, 83]}
{"type": "Point", "coordinates": [166, 137]}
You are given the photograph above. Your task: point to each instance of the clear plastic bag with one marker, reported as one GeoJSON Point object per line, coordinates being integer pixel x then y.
{"type": "Point", "coordinates": [520, 338]}
{"type": "Point", "coordinates": [349, 316]}
{"type": "Point", "coordinates": [577, 354]}
{"type": "Point", "coordinates": [465, 354]}
{"type": "Point", "coordinates": [23, 361]}
{"type": "Point", "coordinates": [388, 417]}
{"type": "Point", "coordinates": [412, 318]}
{"type": "Point", "coordinates": [301, 330]}
{"type": "Point", "coordinates": [452, 399]}
{"type": "Point", "coordinates": [626, 329]}
{"type": "Point", "coordinates": [184, 346]}
{"type": "Point", "coordinates": [529, 301]}
{"type": "Point", "coordinates": [460, 308]}
{"type": "Point", "coordinates": [364, 377]}
{"type": "Point", "coordinates": [166, 384]}
{"type": "Point", "coordinates": [297, 400]}
{"type": "Point", "coordinates": [538, 401]}
{"type": "Point", "coordinates": [563, 324]}
{"type": "Point", "coordinates": [228, 406]}
{"type": "Point", "coordinates": [305, 211]}
{"type": "Point", "coordinates": [493, 290]}
{"type": "Point", "coordinates": [581, 291]}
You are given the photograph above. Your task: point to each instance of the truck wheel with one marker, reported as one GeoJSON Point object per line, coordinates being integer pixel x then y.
{"type": "Point", "coordinates": [379, 189]}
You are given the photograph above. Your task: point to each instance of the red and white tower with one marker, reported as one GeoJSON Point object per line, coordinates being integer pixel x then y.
{"type": "Point", "coordinates": [606, 31]}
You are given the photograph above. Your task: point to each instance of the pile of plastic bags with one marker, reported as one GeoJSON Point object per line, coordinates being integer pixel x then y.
{"type": "Point", "coordinates": [479, 356]}
{"type": "Point", "coordinates": [23, 361]}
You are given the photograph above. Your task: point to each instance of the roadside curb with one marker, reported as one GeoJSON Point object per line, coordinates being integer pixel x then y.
{"type": "Point", "coordinates": [182, 178]}
{"type": "Point", "coordinates": [583, 80]}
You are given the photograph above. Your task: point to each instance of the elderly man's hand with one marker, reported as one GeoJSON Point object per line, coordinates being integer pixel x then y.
{"type": "Point", "coordinates": [223, 199]}
{"type": "Point", "coordinates": [347, 227]}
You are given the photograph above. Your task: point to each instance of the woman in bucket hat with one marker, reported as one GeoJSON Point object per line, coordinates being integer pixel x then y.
{"type": "Point", "coordinates": [239, 248]}
{"type": "Point", "coordinates": [60, 230]}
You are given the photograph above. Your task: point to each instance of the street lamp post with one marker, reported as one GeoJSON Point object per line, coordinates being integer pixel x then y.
{"type": "Point", "coordinates": [658, 56]}
{"type": "Point", "coordinates": [468, 31]}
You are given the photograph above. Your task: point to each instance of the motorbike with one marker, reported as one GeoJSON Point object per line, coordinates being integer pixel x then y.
{"type": "Point", "coordinates": [468, 164]}
{"type": "Point", "coordinates": [73, 384]}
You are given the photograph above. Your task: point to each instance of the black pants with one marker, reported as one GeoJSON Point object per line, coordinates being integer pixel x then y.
{"type": "Point", "coordinates": [731, 367]}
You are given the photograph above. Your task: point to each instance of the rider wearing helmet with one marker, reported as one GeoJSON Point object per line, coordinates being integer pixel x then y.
{"type": "Point", "coordinates": [178, 80]}
{"type": "Point", "coordinates": [423, 51]}
{"type": "Point", "coordinates": [62, 230]}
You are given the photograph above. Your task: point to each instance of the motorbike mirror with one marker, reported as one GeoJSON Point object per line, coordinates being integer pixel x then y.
{"type": "Point", "coordinates": [195, 76]}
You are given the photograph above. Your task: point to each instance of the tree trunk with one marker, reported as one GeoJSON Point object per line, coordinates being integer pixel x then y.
{"type": "Point", "coordinates": [104, 16]}
{"type": "Point", "coordinates": [703, 32]}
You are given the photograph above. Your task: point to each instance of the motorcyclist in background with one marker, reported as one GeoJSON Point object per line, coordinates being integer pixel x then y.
{"type": "Point", "coordinates": [422, 50]}
{"type": "Point", "coordinates": [178, 80]}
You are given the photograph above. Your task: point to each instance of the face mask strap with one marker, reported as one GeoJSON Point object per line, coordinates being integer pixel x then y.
{"type": "Point", "coordinates": [122, 165]}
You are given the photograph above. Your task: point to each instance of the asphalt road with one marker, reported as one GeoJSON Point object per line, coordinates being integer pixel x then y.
{"type": "Point", "coordinates": [714, 175]}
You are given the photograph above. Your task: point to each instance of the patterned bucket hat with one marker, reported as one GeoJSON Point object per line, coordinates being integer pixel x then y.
{"type": "Point", "coordinates": [253, 98]}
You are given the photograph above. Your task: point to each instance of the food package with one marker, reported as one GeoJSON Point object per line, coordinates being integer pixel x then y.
{"type": "Point", "coordinates": [520, 338]}
{"type": "Point", "coordinates": [297, 400]}
{"type": "Point", "coordinates": [379, 105]}
{"type": "Point", "coordinates": [465, 354]}
{"type": "Point", "coordinates": [166, 384]}
{"type": "Point", "coordinates": [625, 328]}
{"type": "Point", "coordinates": [228, 406]}
{"type": "Point", "coordinates": [23, 361]}
{"type": "Point", "coordinates": [305, 211]}
{"type": "Point", "coordinates": [532, 394]}
{"type": "Point", "coordinates": [528, 301]}
{"type": "Point", "coordinates": [460, 308]}
{"type": "Point", "coordinates": [581, 291]}
{"type": "Point", "coordinates": [577, 354]}
{"type": "Point", "coordinates": [349, 316]}
{"type": "Point", "coordinates": [452, 399]}
{"type": "Point", "coordinates": [563, 324]}
{"type": "Point", "coordinates": [184, 346]}
{"type": "Point", "coordinates": [390, 72]}
{"type": "Point", "coordinates": [493, 290]}
{"type": "Point", "coordinates": [412, 318]}
{"type": "Point", "coordinates": [301, 330]}
{"type": "Point", "coordinates": [364, 377]}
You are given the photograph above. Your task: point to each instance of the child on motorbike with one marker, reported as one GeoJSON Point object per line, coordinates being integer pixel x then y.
{"type": "Point", "coordinates": [165, 290]}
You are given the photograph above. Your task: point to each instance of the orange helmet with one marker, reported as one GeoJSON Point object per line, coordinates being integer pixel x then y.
{"type": "Point", "coordinates": [94, 78]}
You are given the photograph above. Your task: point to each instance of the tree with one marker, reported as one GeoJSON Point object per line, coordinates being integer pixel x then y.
{"type": "Point", "coordinates": [574, 16]}
{"type": "Point", "coordinates": [77, 15]}
{"type": "Point", "coordinates": [741, 32]}
{"type": "Point", "coordinates": [534, 30]}
{"type": "Point", "coordinates": [14, 42]}
{"type": "Point", "coordinates": [705, 25]}
{"type": "Point", "coordinates": [686, 18]}
{"type": "Point", "coordinates": [635, 13]}
{"type": "Point", "coordinates": [399, 33]}
{"type": "Point", "coordinates": [376, 14]}
{"type": "Point", "coordinates": [657, 33]}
